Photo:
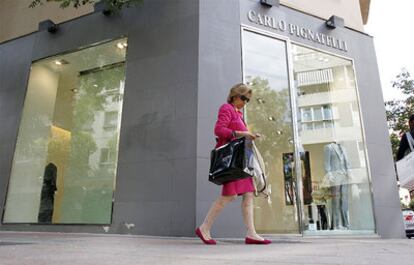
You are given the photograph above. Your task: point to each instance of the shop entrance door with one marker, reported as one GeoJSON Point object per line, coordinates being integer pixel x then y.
{"type": "Point", "coordinates": [265, 68]}
{"type": "Point", "coordinates": [305, 104]}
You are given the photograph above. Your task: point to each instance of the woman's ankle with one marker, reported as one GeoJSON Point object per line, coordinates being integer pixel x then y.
{"type": "Point", "coordinates": [253, 235]}
{"type": "Point", "coordinates": [203, 227]}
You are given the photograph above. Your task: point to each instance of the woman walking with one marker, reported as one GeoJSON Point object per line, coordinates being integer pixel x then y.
{"type": "Point", "coordinates": [230, 125]}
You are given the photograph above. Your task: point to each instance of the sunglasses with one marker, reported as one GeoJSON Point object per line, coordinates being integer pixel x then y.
{"type": "Point", "coordinates": [244, 98]}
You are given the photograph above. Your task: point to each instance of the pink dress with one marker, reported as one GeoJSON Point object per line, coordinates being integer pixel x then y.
{"type": "Point", "coordinates": [229, 120]}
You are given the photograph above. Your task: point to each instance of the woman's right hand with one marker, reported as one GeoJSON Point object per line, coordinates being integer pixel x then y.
{"type": "Point", "coordinates": [247, 134]}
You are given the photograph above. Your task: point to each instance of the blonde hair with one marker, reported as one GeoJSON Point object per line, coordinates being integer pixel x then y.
{"type": "Point", "coordinates": [238, 90]}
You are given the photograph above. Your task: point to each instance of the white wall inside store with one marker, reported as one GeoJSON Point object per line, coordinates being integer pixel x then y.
{"type": "Point", "coordinates": [23, 198]}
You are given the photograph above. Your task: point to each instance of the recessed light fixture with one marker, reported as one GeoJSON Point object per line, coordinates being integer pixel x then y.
{"type": "Point", "coordinates": [121, 45]}
{"type": "Point", "coordinates": [61, 62]}
{"type": "Point", "coordinates": [74, 90]}
{"type": "Point", "coordinates": [95, 85]}
{"type": "Point", "coordinates": [261, 101]}
{"type": "Point", "coordinates": [271, 118]}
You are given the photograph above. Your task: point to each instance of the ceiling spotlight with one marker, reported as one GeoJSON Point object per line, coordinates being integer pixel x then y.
{"type": "Point", "coordinates": [95, 85]}
{"type": "Point", "coordinates": [61, 62]}
{"type": "Point", "coordinates": [121, 45]}
{"type": "Point", "coordinates": [279, 132]}
{"type": "Point", "coordinates": [261, 101]}
{"type": "Point", "coordinates": [74, 90]}
{"type": "Point", "coordinates": [271, 118]}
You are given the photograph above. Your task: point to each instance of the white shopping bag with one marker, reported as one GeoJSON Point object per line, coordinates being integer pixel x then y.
{"type": "Point", "coordinates": [405, 167]}
{"type": "Point", "coordinates": [255, 167]}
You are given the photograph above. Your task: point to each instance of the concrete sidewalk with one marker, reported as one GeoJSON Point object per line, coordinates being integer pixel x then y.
{"type": "Point", "coordinates": [19, 248]}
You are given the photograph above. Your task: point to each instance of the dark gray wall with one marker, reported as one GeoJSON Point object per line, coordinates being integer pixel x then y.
{"type": "Point", "coordinates": [155, 183]}
{"type": "Point", "coordinates": [387, 207]}
{"type": "Point", "coordinates": [14, 74]}
{"type": "Point", "coordinates": [219, 69]}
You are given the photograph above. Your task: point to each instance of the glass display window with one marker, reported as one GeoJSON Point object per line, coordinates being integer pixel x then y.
{"type": "Point", "coordinates": [65, 159]}
{"type": "Point", "coordinates": [306, 108]}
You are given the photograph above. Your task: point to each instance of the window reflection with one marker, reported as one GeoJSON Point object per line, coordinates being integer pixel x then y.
{"type": "Point", "coordinates": [65, 158]}
{"type": "Point", "coordinates": [335, 182]}
{"type": "Point", "coordinates": [331, 133]}
{"type": "Point", "coordinates": [265, 68]}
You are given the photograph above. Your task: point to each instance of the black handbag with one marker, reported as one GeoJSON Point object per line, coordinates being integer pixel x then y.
{"type": "Point", "coordinates": [228, 162]}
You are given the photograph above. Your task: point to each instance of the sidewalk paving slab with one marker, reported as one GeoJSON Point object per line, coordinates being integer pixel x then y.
{"type": "Point", "coordinates": [23, 248]}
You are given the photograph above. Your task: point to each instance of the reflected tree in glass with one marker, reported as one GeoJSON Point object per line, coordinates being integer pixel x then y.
{"type": "Point", "coordinates": [91, 184]}
{"type": "Point", "coordinates": [269, 114]}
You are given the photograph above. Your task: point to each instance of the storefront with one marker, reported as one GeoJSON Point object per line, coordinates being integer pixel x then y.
{"type": "Point", "coordinates": [110, 126]}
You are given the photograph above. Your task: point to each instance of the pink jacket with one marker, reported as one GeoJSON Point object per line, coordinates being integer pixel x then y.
{"type": "Point", "coordinates": [228, 120]}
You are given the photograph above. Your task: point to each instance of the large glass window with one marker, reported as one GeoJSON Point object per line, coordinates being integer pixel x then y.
{"type": "Point", "coordinates": [65, 159]}
{"type": "Point", "coordinates": [331, 135]}
{"type": "Point", "coordinates": [334, 181]}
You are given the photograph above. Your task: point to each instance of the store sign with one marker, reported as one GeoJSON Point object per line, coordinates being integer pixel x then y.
{"type": "Point", "coordinates": [299, 31]}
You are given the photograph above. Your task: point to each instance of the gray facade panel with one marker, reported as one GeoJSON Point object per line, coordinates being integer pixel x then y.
{"type": "Point", "coordinates": [206, 138]}
{"type": "Point", "coordinates": [14, 74]}
{"type": "Point", "coordinates": [158, 141]}
{"type": "Point", "coordinates": [144, 177]}
{"type": "Point", "coordinates": [182, 220]}
{"type": "Point", "coordinates": [148, 218]}
{"type": "Point", "coordinates": [208, 190]}
{"type": "Point", "coordinates": [162, 218]}
{"type": "Point", "coordinates": [219, 70]}
{"type": "Point", "coordinates": [385, 191]}
{"type": "Point", "coordinates": [388, 222]}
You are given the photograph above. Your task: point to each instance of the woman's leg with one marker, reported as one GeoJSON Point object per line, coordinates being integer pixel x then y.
{"type": "Point", "coordinates": [212, 214]}
{"type": "Point", "coordinates": [247, 209]}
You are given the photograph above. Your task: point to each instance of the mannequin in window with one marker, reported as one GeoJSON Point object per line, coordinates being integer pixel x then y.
{"type": "Point", "coordinates": [48, 194]}
{"type": "Point", "coordinates": [338, 174]}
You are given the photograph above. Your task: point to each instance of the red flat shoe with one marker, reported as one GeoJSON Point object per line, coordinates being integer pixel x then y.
{"type": "Point", "coordinates": [250, 241]}
{"type": "Point", "coordinates": [206, 241]}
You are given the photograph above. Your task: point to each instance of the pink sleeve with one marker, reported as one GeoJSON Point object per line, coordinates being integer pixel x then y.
{"type": "Point", "coordinates": [221, 130]}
